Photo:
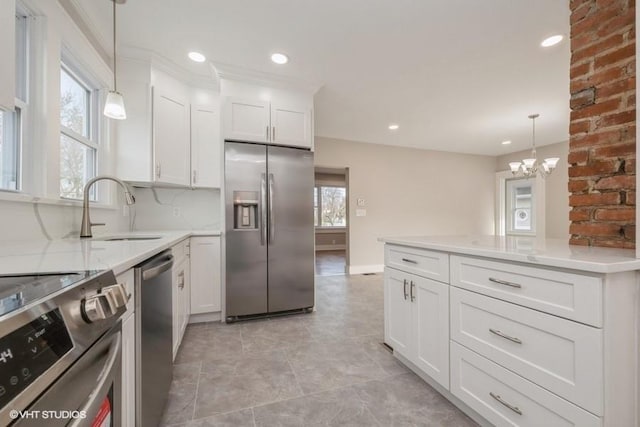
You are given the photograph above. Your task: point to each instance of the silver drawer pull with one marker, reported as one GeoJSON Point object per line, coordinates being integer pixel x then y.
{"type": "Point", "coordinates": [499, 399]}
{"type": "Point", "coordinates": [410, 261]}
{"type": "Point", "coordinates": [405, 282]}
{"type": "Point", "coordinates": [505, 336]}
{"type": "Point", "coordinates": [504, 282]}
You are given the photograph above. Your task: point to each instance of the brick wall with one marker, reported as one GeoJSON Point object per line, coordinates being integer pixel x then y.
{"type": "Point", "coordinates": [602, 147]}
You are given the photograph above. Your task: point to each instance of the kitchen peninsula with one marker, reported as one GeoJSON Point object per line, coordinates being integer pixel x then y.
{"type": "Point", "coordinates": [518, 329]}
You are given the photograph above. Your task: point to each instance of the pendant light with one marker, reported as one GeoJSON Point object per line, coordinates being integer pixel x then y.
{"type": "Point", "coordinates": [114, 106]}
{"type": "Point", "coordinates": [530, 167]}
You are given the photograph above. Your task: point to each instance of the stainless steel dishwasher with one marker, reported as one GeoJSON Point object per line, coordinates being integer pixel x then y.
{"type": "Point", "coordinates": [154, 357]}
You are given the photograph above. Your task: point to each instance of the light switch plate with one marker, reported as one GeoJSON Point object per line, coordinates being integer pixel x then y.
{"type": "Point", "coordinates": [361, 212]}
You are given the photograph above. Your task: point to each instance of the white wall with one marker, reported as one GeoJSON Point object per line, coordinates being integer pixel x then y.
{"type": "Point", "coordinates": [409, 192]}
{"type": "Point", "coordinates": [556, 186]}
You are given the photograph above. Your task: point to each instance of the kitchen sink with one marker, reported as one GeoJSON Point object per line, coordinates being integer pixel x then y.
{"type": "Point", "coordinates": [124, 238]}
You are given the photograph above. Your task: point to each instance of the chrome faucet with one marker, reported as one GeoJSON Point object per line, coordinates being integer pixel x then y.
{"type": "Point", "coordinates": [85, 230]}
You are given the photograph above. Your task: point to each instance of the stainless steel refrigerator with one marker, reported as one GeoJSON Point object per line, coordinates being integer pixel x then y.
{"type": "Point", "coordinates": [269, 229]}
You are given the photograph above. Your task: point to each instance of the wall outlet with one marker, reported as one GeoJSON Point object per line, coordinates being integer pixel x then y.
{"type": "Point", "coordinates": [361, 212]}
{"type": "Point", "coordinates": [176, 211]}
{"type": "Point", "coordinates": [125, 210]}
{"type": "Point", "coordinates": [360, 202]}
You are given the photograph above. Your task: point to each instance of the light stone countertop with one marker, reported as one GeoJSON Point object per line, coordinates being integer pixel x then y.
{"type": "Point", "coordinates": [538, 251]}
{"type": "Point", "coordinates": [74, 254]}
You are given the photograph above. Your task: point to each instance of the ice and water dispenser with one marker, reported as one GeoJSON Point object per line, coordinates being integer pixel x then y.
{"type": "Point", "coordinates": [245, 210]}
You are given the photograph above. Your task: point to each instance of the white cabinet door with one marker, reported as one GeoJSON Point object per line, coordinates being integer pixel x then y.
{"type": "Point", "coordinates": [206, 150]}
{"type": "Point", "coordinates": [290, 125]}
{"type": "Point", "coordinates": [129, 371]}
{"type": "Point", "coordinates": [247, 120]}
{"type": "Point", "coordinates": [8, 48]}
{"type": "Point", "coordinates": [430, 322]}
{"type": "Point", "coordinates": [171, 138]}
{"type": "Point", "coordinates": [397, 307]}
{"type": "Point", "coordinates": [205, 275]}
{"type": "Point", "coordinates": [178, 306]}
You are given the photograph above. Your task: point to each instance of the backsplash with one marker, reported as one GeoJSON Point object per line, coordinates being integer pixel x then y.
{"type": "Point", "coordinates": [176, 209]}
{"type": "Point", "coordinates": [32, 221]}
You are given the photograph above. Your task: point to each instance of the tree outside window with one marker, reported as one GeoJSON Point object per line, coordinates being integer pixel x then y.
{"type": "Point", "coordinates": [330, 207]}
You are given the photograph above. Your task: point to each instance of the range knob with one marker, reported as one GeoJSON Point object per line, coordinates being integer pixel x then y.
{"type": "Point", "coordinates": [117, 296]}
{"type": "Point", "coordinates": [95, 308]}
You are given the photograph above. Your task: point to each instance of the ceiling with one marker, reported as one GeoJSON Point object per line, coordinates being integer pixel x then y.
{"type": "Point", "coordinates": [456, 75]}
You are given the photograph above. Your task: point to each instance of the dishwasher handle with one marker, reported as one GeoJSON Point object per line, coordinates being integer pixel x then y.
{"type": "Point", "coordinates": [156, 270]}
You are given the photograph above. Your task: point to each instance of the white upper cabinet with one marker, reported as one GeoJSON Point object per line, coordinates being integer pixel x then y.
{"type": "Point", "coordinates": [247, 120]}
{"type": "Point", "coordinates": [171, 138]}
{"type": "Point", "coordinates": [290, 125]}
{"type": "Point", "coordinates": [167, 139]}
{"type": "Point", "coordinates": [7, 47]}
{"type": "Point", "coordinates": [206, 153]}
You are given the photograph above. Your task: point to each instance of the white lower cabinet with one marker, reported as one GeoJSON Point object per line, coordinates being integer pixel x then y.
{"type": "Point", "coordinates": [129, 371]}
{"type": "Point", "coordinates": [180, 292]}
{"type": "Point", "coordinates": [205, 275]}
{"type": "Point", "coordinates": [506, 399]}
{"type": "Point", "coordinates": [417, 322]}
{"type": "Point", "coordinates": [128, 351]}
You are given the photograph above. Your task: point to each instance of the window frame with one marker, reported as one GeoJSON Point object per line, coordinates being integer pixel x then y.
{"type": "Point", "coordinates": [538, 210]}
{"type": "Point", "coordinates": [318, 203]}
{"type": "Point", "coordinates": [94, 125]}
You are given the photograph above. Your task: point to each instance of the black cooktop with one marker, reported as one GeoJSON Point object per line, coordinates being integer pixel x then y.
{"type": "Point", "coordinates": [19, 290]}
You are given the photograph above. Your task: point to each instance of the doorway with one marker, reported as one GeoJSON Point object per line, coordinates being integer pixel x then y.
{"type": "Point", "coordinates": [331, 213]}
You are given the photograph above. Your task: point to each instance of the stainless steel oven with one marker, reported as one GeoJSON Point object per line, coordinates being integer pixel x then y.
{"type": "Point", "coordinates": [60, 349]}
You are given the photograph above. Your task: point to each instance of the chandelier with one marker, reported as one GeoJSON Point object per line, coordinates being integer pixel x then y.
{"type": "Point", "coordinates": [530, 167]}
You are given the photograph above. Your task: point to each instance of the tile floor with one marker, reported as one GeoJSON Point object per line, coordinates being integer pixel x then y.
{"type": "Point", "coordinates": [330, 263]}
{"type": "Point", "coordinates": [326, 368]}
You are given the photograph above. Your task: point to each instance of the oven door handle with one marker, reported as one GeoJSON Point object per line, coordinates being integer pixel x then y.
{"type": "Point", "coordinates": [96, 397]}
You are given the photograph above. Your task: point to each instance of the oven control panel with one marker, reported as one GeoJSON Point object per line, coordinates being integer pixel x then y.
{"type": "Point", "coordinates": [29, 351]}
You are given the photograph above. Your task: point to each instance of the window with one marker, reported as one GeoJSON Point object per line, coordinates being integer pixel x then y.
{"type": "Point", "coordinates": [520, 206]}
{"type": "Point", "coordinates": [78, 134]}
{"type": "Point", "coordinates": [330, 206]}
{"type": "Point", "coordinates": [11, 121]}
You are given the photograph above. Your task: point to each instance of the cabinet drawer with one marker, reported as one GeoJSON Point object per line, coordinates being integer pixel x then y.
{"type": "Point", "coordinates": [429, 264]}
{"type": "Point", "coordinates": [573, 296]}
{"type": "Point", "coordinates": [506, 399]}
{"type": "Point", "coordinates": [562, 356]}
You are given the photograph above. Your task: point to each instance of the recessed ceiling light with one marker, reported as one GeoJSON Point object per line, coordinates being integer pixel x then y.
{"type": "Point", "coordinates": [279, 58]}
{"type": "Point", "coordinates": [552, 41]}
{"type": "Point", "coordinates": [393, 126]}
{"type": "Point", "coordinates": [506, 142]}
{"type": "Point", "coordinates": [197, 57]}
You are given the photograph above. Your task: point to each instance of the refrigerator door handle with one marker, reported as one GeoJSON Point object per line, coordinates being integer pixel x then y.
{"type": "Point", "coordinates": [263, 209]}
{"type": "Point", "coordinates": [272, 231]}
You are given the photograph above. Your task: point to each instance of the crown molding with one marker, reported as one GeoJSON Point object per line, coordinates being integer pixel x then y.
{"type": "Point", "coordinates": [233, 72]}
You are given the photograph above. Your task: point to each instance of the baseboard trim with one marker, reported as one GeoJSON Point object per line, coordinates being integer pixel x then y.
{"type": "Point", "coordinates": [362, 269]}
{"type": "Point", "coordinates": [205, 317]}
{"type": "Point", "coordinates": [330, 247]}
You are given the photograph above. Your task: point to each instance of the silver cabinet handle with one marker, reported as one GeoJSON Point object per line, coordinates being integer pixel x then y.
{"type": "Point", "coordinates": [158, 170]}
{"type": "Point", "coordinates": [504, 282]}
{"type": "Point", "coordinates": [273, 133]}
{"type": "Point", "coordinates": [410, 261]}
{"type": "Point", "coordinates": [195, 176]}
{"type": "Point", "coordinates": [505, 336]}
{"type": "Point", "coordinates": [413, 285]}
{"type": "Point", "coordinates": [404, 288]}
{"type": "Point", "coordinates": [181, 280]}
{"type": "Point", "coordinates": [267, 132]}
{"type": "Point", "coordinates": [272, 227]}
{"type": "Point", "coordinates": [263, 209]}
{"type": "Point", "coordinates": [499, 399]}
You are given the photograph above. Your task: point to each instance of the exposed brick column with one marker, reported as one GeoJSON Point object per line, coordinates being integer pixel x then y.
{"type": "Point", "coordinates": [602, 147]}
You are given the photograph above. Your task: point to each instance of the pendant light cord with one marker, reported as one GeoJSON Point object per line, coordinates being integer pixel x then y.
{"type": "Point", "coordinates": [115, 79]}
